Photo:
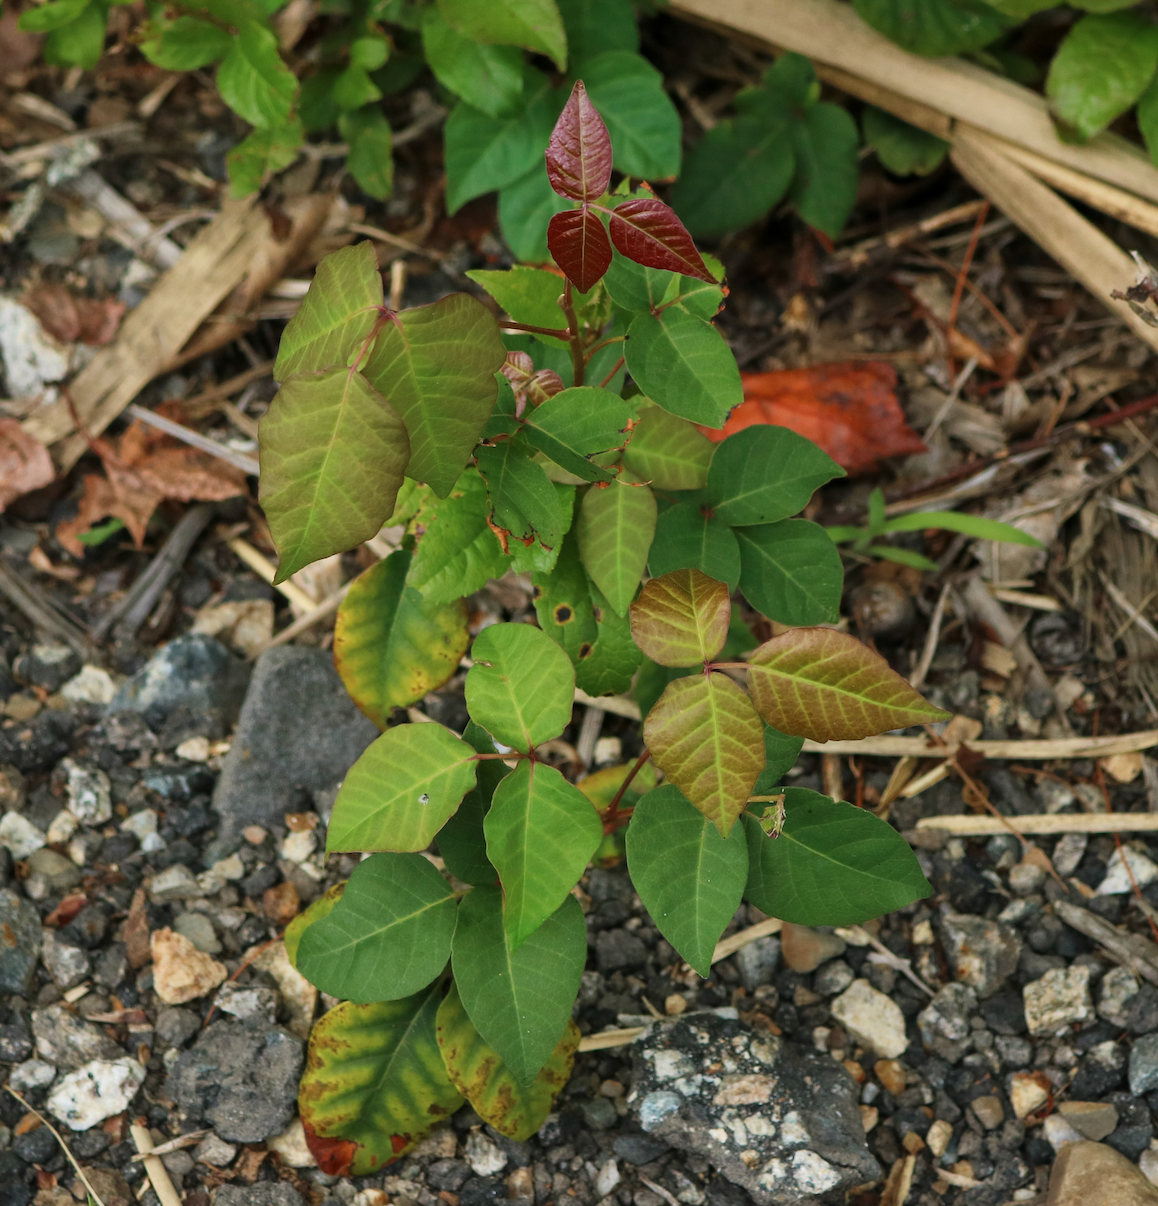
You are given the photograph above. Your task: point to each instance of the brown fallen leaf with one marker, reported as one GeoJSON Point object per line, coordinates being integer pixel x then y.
{"type": "Point", "coordinates": [136, 932]}
{"type": "Point", "coordinates": [69, 317]}
{"type": "Point", "coordinates": [24, 462]}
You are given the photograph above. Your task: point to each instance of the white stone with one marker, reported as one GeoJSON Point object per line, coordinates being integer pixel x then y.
{"type": "Point", "coordinates": [923, 934]}
{"type": "Point", "coordinates": [215, 1151]}
{"type": "Point", "coordinates": [175, 883]}
{"type": "Point", "coordinates": [19, 835]}
{"type": "Point", "coordinates": [607, 1178]}
{"type": "Point", "coordinates": [812, 1173]}
{"type": "Point", "coordinates": [1118, 880]}
{"type": "Point", "coordinates": [143, 826]}
{"type": "Point", "coordinates": [872, 1019]}
{"type": "Point", "coordinates": [31, 356]}
{"type": "Point", "coordinates": [1058, 1132]}
{"type": "Point", "coordinates": [32, 1074]}
{"type": "Point", "coordinates": [195, 749]}
{"type": "Point", "coordinates": [485, 1157]}
{"type": "Point", "coordinates": [224, 871]}
{"type": "Point", "coordinates": [91, 686]}
{"type": "Point", "coordinates": [1060, 998]}
{"type": "Point", "coordinates": [938, 1137]}
{"type": "Point", "coordinates": [291, 1146]}
{"type": "Point", "coordinates": [1118, 985]}
{"type": "Point", "coordinates": [1149, 1165]}
{"type": "Point", "coordinates": [297, 847]}
{"type": "Point", "coordinates": [62, 828]}
{"type": "Point", "coordinates": [1027, 1093]}
{"type": "Point", "coordinates": [90, 795]}
{"type": "Point", "coordinates": [199, 930]}
{"type": "Point", "coordinates": [1069, 851]}
{"type": "Point", "coordinates": [99, 1090]}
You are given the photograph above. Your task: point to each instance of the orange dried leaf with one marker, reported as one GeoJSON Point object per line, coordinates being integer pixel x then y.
{"type": "Point", "coordinates": [849, 409]}
{"type": "Point", "coordinates": [681, 618]}
{"type": "Point", "coordinates": [24, 462]}
{"type": "Point", "coordinates": [827, 686]}
{"type": "Point", "coordinates": [70, 318]}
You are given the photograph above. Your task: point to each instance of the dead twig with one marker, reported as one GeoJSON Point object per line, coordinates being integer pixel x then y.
{"type": "Point", "coordinates": [156, 1171]}
{"type": "Point", "coordinates": [1045, 823]}
{"type": "Point", "coordinates": [63, 1146]}
{"type": "Point", "coordinates": [40, 610]}
{"type": "Point", "coordinates": [194, 438]}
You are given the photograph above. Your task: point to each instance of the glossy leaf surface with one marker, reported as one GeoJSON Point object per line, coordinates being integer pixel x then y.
{"type": "Point", "coordinates": [375, 1083]}
{"type": "Point", "coordinates": [683, 364]}
{"type": "Point", "coordinates": [526, 206]}
{"type": "Point", "coordinates": [668, 452]}
{"type": "Point", "coordinates": [563, 603]}
{"type": "Point", "coordinates": [519, 1001]}
{"type": "Point", "coordinates": [681, 618]}
{"type": "Point", "coordinates": [780, 755]}
{"type": "Point", "coordinates": [461, 841]}
{"type": "Point", "coordinates": [644, 125]}
{"type": "Point", "coordinates": [686, 538]}
{"type": "Point", "coordinates": [689, 878]}
{"type": "Point", "coordinates": [579, 150]}
{"type": "Point", "coordinates": [613, 660]}
{"type": "Point", "coordinates": [487, 77]}
{"type": "Point", "coordinates": [524, 502]}
{"type": "Point", "coordinates": [765, 474]}
{"type": "Point", "coordinates": [322, 907]}
{"type": "Point", "coordinates": [614, 530]}
{"type": "Point", "coordinates": [577, 425]}
{"type": "Point", "coordinates": [401, 790]}
{"type": "Point", "coordinates": [498, 1098]}
{"type": "Point", "coordinates": [594, 26]}
{"type": "Point", "coordinates": [521, 685]}
{"type": "Point", "coordinates": [833, 864]}
{"type": "Point", "coordinates": [333, 456]}
{"type": "Point", "coordinates": [825, 140]}
{"type": "Point", "coordinates": [387, 937]}
{"type": "Point", "coordinates": [788, 575]}
{"type": "Point", "coordinates": [528, 295]}
{"type": "Point", "coordinates": [647, 231]}
{"type": "Point", "coordinates": [253, 80]}
{"type": "Point", "coordinates": [392, 647]}
{"type": "Point", "coordinates": [705, 736]}
{"type": "Point", "coordinates": [827, 686]}
{"type": "Point", "coordinates": [579, 244]}
{"type": "Point", "coordinates": [541, 832]}
{"type": "Point", "coordinates": [532, 24]}
{"type": "Point", "coordinates": [437, 364]}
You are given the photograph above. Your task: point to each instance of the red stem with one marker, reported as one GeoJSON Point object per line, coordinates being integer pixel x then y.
{"type": "Point", "coordinates": [611, 817]}
{"type": "Point", "coordinates": [579, 365]}
{"type": "Point", "coordinates": [527, 329]}
{"type": "Point", "coordinates": [618, 365]}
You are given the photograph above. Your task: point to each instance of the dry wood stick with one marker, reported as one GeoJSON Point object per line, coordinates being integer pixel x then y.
{"type": "Point", "coordinates": [1046, 823]}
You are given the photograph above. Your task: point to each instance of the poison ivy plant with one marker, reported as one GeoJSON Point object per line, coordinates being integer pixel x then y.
{"type": "Point", "coordinates": [459, 942]}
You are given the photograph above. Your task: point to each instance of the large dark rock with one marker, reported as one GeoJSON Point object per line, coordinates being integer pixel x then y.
{"type": "Point", "coordinates": [299, 733]}
{"type": "Point", "coordinates": [19, 943]}
{"type": "Point", "coordinates": [781, 1122]}
{"type": "Point", "coordinates": [241, 1081]}
{"type": "Point", "coordinates": [264, 1193]}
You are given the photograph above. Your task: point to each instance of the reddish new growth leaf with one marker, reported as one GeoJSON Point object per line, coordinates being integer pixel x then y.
{"type": "Point", "coordinates": [528, 384]}
{"type": "Point", "coordinates": [579, 244]}
{"type": "Point", "coordinates": [579, 153]}
{"type": "Point", "coordinates": [648, 232]}
{"type": "Point", "coordinates": [24, 462]}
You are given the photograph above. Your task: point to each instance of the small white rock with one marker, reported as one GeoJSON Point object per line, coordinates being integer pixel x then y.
{"type": "Point", "coordinates": [32, 1074]}
{"type": "Point", "coordinates": [90, 795]}
{"type": "Point", "coordinates": [1149, 1165]}
{"type": "Point", "coordinates": [195, 749]}
{"type": "Point", "coordinates": [175, 883]}
{"type": "Point", "coordinates": [91, 686]}
{"type": "Point", "coordinates": [215, 1151]}
{"type": "Point", "coordinates": [1118, 880]}
{"type": "Point", "coordinates": [292, 1147]}
{"type": "Point", "coordinates": [1118, 985]}
{"type": "Point", "coordinates": [1069, 851]}
{"type": "Point", "coordinates": [607, 1178]}
{"type": "Point", "coordinates": [873, 1019]}
{"type": "Point", "coordinates": [485, 1157]}
{"type": "Point", "coordinates": [62, 828]}
{"type": "Point", "coordinates": [143, 826]}
{"type": "Point", "coordinates": [1058, 1132]}
{"type": "Point", "coordinates": [19, 835]}
{"type": "Point", "coordinates": [297, 847]}
{"type": "Point", "coordinates": [1060, 998]}
{"type": "Point", "coordinates": [99, 1090]}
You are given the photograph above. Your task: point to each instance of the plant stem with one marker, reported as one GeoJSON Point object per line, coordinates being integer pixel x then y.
{"type": "Point", "coordinates": [512, 756]}
{"type": "Point", "coordinates": [618, 365]}
{"type": "Point", "coordinates": [527, 329]}
{"type": "Point", "coordinates": [577, 361]}
{"type": "Point", "coordinates": [604, 343]}
{"type": "Point", "coordinates": [612, 815]}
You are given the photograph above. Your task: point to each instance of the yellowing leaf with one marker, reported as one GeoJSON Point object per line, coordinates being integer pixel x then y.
{"type": "Point", "coordinates": [705, 736]}
{"type": "Point", "coordinates": [681, 618]}
{"type": "Point", "coordinates": [827, 686]}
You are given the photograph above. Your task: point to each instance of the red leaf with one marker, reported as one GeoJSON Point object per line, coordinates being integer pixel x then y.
{"type": "Point", "coordinates": [579, 243]}
{"type": "Point", "coordinates": [579, 153]}
{"type": "Point", "coordinates": [849, 408]}
{"type": "Point", "coordinates": [648, 232]}
{"type": "Point", "coordinates": [24, 462]}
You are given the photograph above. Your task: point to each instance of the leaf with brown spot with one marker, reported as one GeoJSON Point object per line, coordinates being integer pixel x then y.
{"type": "Point", "coordinates": [705, 736]}
{"type": "Point", "coordinates": [681, 618]}
{"type": "Point", "coordinates": [24, 462]}
{"type": "Point", "coordinates": [827, 686]}
{"type": "Point", "coordinates": [512, 1108]}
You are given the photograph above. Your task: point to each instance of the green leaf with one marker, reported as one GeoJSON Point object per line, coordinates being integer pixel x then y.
{"type": "Point", "coordinates": [371, 155]}
{"type": "Point", "coordinates": [537, 558]}
{"type": "Point", "coordinates": [563, 603]}
{"type": "Point", "coordinates": [524, 503]}
{"type": "Point", "coordinates": [686, 538]}
{"type": "Point", "coordinates": [528, 295]}
{"type": "Point", "coordinates": [705, 736]}
{"type": "Point", "coordinates": [392, 647]}
{"type": "Point", "coordinates": [322, 907]}
{"type": "Point", "coordinates": [681, 618]}
{"type": "Point", "coordinates": [612, 662]}
{"type": "Point", "coordinates": [81, 42]}
{"type": "Point", "coordinates": [333, 455]}
{"type": "Point", "coordinates": [458, 552]}
{"type": "Point", "coordinates": [614, 530]}
{"type": "Point", "coordinates": [824, 187]}
{"type": "Point", "coordinates": [904, 150]}
{"type": "Point", "coordinates": [437, 364]}
{"type": "Point", "coordinates": [780, 754]}
{"type": "Point", "coordinates": [387, 937]}
{"type": "Point", "coordinates": [541, 833]}
{"type": "Point", "coordinates": [489, 78]}
{"type": "Point", "coordinates": [182, 44]}
{"type": "Point", "coordinates": [354, 88]}
{"type": "Point", "coordinates": [643, 124]}
{"type": "Point", "coordinates": [934, 27]}
{"type": "Point", "coordinates": [402, 789]}
{"type": "Point", "coordinates": [1101, 68]}
{"type": "Point", "coordinates": [736, 173]}
{"type": "Point", "coordinates": [902, 557]}
{"type": "Point", "coordinates": [54, 15]}
{"type": "Point", "coordinates": [261, 154]}
{"type": "Point", "coordinates": [533, 24]}
{"type": "Point", "coordinates": [498, 1098]}
{"type": "Point", "coordinates": [577, 425]}
{"type": "Point", "coordinates": [668, 452]}
{"type": "Point", "coordinates": [683, 364]}
{"type": "Point", "coordinates": [461, 841]}
{"type": "Point", "coordinates": [336, 315]}
{"type": "Point", "coordinates": [833, 864]}
{"type": "Point", "coordinates": [525, 208]}
{"type": "Point", "coordinates": [253, 80]}
{"type": "Point", "coordinates": [486, 153]}
{"type": "Point", "coordinates": [520, 687]}
{"type": "Point", "coordinates": [959, 521]}
{"type": "Point", "coordinates": [316, 104]}
{"type": "Point", "coordinates": [690, 879]}
{"type": "Point", "coordinates": [638, 288]}
{"type": "Point", "coordinates": [763, 474]}
{"type": "Point", "coordinates": [827, 686]}
{"type": "Point", "coordinates": [519, 1001]}
{"type": "Point", "coordinates": [594, 26]}
{"type": "Point", "coordinates": [375, 1084]}
{"type": "Point", "coordinates": [601, 787]}
{"type": "Point", "coordinates": [1147, 118]}
{"type": "Point", "coordinates": [370, 51]}
{"type": "Point", "coordinates": [791, 572]}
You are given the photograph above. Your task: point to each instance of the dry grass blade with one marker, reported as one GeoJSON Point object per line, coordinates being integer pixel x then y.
{"type": "Point", "coordinates": [1033, 751]}
{"type": "Point", "coordinates": [967, 825]}
{"type": "Point", "coordinates": [186, 434]}
{"type": "Point", "coordinates": [64, 1147]}
{"type": "Point", "coordinates": [156, 1171]}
